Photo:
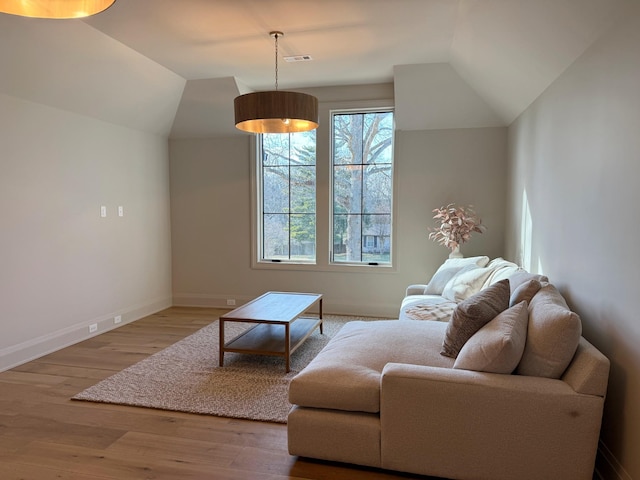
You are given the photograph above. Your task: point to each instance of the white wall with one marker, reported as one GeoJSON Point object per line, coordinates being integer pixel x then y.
{"type": "Point", "coordinates": [575, 165]}
{"type": "Point", "coordinates": [62, 266]}
{"type": "Point", "coordinates": [211, 229]}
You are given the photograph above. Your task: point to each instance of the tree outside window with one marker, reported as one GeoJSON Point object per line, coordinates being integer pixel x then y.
{"type": "Point", "coordinates": [362, 163]}
{"type": "Point", "coordinates": [288, 197]}
{"type": "Point", "coordinates": [359, 189]}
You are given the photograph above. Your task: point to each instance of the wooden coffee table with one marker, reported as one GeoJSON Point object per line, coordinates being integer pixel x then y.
{"type": "Point", "coordinates": [279, 328]}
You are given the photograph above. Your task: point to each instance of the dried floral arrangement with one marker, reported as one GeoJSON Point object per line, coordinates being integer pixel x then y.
{"type": "Point", "coordinates": [456, 225]}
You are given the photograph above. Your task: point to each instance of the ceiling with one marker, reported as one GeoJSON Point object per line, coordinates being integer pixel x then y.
{"type": "Point", "coordinates": [351, 41]}
{"type": "Point", "coordinates": [506, 51]}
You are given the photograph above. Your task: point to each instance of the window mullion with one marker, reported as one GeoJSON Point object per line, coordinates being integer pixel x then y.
{"type": "Point", "coordinates": [290, 190]}
{"type": "Point", "coordinates": [362, 167]}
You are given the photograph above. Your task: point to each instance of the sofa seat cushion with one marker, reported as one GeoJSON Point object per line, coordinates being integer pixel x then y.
{"type": "Point", "coordinates": [345, 375]}
{"type": "Point", "coordinates": [426, 307]}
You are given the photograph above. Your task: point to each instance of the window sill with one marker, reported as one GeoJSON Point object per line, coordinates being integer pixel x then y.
{"type": "Point", "coordinates": [334, 267]}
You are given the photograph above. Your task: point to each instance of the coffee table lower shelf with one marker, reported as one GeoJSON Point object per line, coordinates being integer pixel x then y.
{"type": "Point", "coordinates": [271, 338]}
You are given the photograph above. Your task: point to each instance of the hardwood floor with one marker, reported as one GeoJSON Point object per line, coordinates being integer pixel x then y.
{"type": "Point", "coordinates": [44, 435]}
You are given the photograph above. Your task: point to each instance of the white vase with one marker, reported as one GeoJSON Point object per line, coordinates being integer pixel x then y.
{"type": "Point", "coordinates": [456, 253]}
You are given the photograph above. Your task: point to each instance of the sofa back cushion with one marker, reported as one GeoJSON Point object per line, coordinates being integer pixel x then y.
{"type": "Point", "coordinates": [553, 335]}
{"type": "Point", "coordinates": [472, 314]}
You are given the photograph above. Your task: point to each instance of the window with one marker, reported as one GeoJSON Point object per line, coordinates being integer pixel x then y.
{"type": "Point", "coordinates": [362, 187]}
{"type": "Point", "coordinates": [328, 205]}
{"type": "Point", "coordinates": [287, 197]}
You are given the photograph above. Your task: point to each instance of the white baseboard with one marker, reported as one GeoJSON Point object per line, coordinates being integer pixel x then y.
{"type": "Point", "coordinates": [607, 465]}
{"type": "Point", "coordinates": [24, 352]}
{"type": "Point", "coordinates": [368, 309]}
{"type": "Point", "coordinates": [208, 300]}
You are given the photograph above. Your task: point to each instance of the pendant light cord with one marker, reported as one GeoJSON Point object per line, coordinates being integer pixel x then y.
{"type": "Point", "coordinates": [276, 37]}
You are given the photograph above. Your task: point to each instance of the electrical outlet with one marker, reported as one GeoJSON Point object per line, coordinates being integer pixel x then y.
{"type": "Point", "coordinates": [231, 302]}
{"type": "Point", "coordinates": [93, 328]}
{"type": "Point", "coordinates": [103, 211]}
{"type": "Point", "coordinates": [121, 211]}
{"type": "Point", "coordinates": [117, 319]}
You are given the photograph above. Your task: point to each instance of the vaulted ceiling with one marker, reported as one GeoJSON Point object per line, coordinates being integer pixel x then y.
{"type": "Point", "coordinates": [174, 67]}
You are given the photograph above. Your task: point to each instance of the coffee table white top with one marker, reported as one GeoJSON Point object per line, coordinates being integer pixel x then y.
{"type": "Point", "coordinates": [280, 307]}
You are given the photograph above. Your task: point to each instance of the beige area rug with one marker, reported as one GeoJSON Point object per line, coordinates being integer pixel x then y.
{"type": "Point", "coordinates": [185, 377]}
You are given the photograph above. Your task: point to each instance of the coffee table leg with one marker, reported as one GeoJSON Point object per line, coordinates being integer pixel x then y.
{"type": "Point", "coordinates": [221, 335]}
{"type": "Point", "coordinates": [287, 346]}
{"type": "Point", "coordinates": [320, 315]}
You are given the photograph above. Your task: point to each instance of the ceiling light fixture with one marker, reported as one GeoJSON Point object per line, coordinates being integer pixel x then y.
{"type": "Point", "coordinates": [54, 8]}
{"type": "Point", "coordinates": [276, 111]}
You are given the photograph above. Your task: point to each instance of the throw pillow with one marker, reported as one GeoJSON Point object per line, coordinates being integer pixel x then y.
{"type": "Point", "coordinates": [501, 269]}
{"type": "Point", "coordinates": [522, 276]}
{"type": "Point", "coordinates": [465, 283]}
{"type": "Point", "coordinates": [439, 280]}
{"type": "Point", "coordinates": [448, 269]}
{"type": "Point", "coordinates": [524, 292]}
{"type": "Point", "coordinates": [472, 314]}
{"type": "Point", "coordinates": [497, 347]}
{"type": "Point", "coordinates": [552, 337]}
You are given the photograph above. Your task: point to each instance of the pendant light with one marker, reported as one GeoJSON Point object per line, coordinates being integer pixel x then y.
{"type": "Point", "coordinates": [276, 111]}
{"type": "Point", "coordinates": [54, 8]}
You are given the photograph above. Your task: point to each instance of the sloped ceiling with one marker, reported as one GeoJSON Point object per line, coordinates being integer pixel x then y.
{"type": "Point", "coordinates": [433, 96]}
{"type": "Point", "coordinates": [206, 108]}
{"type": "Point", "coordinates": [511, 51]}
{"type": "Point", "coordinates": [73, 67]}
{"type": "Point", "coordinates": [134, 63]}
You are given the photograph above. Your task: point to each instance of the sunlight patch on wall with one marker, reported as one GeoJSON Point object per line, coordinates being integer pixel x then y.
{"type": "Point", "coordinates": [540, 270]}
{"type": "Point", "coordinates": [526, 234]}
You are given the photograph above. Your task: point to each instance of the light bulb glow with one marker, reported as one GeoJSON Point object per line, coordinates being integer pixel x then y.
{"type": "Point", "coordinates": [59, 9]}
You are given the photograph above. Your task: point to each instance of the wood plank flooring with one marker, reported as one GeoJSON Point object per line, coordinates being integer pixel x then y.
{"type": "Point", "coordinates": [44, 435]}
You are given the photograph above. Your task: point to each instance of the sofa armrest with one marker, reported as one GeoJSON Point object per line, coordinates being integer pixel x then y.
{"type": "Point", "coordinates": [417, 289]}
{"type": "Point", "coordinates": [463, 424]}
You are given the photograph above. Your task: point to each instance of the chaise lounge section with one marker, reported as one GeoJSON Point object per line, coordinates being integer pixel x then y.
{"type": "Point", "coordinates": [521, 397]}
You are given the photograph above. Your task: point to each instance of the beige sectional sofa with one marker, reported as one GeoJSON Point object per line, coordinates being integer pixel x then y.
{"type": "Point", "coordinates": [518, 397]}
{"type": "Point", "coordinates": [455, 280]}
